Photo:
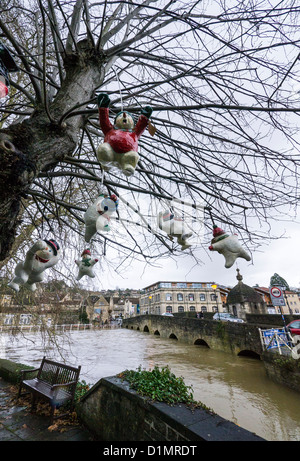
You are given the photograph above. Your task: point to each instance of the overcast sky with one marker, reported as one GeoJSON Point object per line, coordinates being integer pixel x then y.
{"type": "Point", "coordinates": [281, 256]}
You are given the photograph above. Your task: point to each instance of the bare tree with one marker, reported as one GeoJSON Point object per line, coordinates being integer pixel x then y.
{"type": "Point", "coordinates": [221, 79]}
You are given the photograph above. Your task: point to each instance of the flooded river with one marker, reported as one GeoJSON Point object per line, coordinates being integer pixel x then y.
{"type": "Point", "coordinates": [236, 388]}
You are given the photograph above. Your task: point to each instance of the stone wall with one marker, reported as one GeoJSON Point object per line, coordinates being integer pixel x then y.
{"type": "Point", "coordinates": [225, 336]}
{"type": "Point", "coordinates": [11, 371]}
{"type": "Point", "coordinates": [270, 320]}
{"type": "Point", "coordinates": [282, 369]}
{"type": "Point", "coordinates": [115, 412]}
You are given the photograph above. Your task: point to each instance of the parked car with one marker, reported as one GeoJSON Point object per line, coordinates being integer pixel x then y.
{"type": "Point", "coordinates": [294, 327]}
{"type": "Point", "coordinates": [167, 314]}
{"type": "Point", "coordinates": [226, 317]}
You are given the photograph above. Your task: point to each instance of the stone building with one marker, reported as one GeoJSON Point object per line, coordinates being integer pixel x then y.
{"type": "Point", "coordinates": [50, 304]}
{"type": "Point", "coordinates": [97, 308]}
{"type": "Point", "coordinates": [175, 297]}
{"type": "Point", "coordinates": [243, 300]}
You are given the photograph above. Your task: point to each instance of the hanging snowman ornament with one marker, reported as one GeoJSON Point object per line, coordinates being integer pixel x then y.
{"type": "Point", "coordinates": [228, 246]}
{"type": "Point", "coordinates": [41, 256]}
{"type": "Point", "coordinates": [97, 216]}
{"type": "Point", "coordinates": [120, 145]}
{"type": "Point", "coordinates": [174, 226]}
{"type": "Point", "coordinates": [86, 264]}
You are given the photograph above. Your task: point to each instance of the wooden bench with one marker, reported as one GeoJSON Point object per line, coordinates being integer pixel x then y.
{"type": "Point", "coordinates": [54, 382]}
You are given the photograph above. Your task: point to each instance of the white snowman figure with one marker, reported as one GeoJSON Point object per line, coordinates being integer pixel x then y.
{"type": "Point", "coordinates": [41, 256]}
{"type": "Point", "coordinates": [228, 246]}
{"type": "Point", "coordinates": [86, 264]}
{"type": "Point", "coordinates": [97, 216]}
{"type": "Point", "coordinates": [174, 226]}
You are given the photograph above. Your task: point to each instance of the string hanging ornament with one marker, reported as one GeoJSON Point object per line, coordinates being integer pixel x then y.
{"type": "Point", "coordinates": [174, 226]}
{"type": "Point", "coordinates": [43, 255]}
{"type": "Point", "coordinates": [85, 264]}
{"type": "Point", "coordinates": [120, 147]}
{"type": "Point", "coordinates": [227, 245]}
{"type": "Point", "coordinates": [97, 215]}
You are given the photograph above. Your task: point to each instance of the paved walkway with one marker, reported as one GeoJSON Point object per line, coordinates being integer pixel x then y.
{"type": "Point", "coordinates": [18, 424]}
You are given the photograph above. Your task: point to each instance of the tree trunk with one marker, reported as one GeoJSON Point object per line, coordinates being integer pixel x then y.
{"type": "Point", "coordinates": [39, 143]}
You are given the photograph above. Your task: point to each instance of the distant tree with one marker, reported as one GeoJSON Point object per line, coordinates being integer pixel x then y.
{"type": "Point", "coordinates": [221, 78]}
{"type": "Point", "coordinates": [277, 281]}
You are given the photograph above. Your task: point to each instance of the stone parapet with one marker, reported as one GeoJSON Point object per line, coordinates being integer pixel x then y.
{"type": "Point", "coordinates": [115, 412]}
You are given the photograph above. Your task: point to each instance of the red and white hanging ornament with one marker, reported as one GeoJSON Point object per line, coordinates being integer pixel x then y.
{"type": "Point", "coordinates": [86, 264]}
{"type": "Point", "coordinates": [120, 145]}
{"type": "Point", "coordinates": [7, 64]}
{"type": "Point", "coordinates": [228, 246]}
{"type": "Point", "coordinates": [97, 216]}
{"type": "Point", "coordinates": [41, 256]}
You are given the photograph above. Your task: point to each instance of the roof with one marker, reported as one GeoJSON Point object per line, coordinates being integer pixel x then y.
{"type": "Point", "coordinates": [242, 293]}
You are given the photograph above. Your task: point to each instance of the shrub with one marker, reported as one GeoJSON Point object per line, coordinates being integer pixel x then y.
{"type": "Point", "coordinates": [161, 385]}
{"type": "Point", "coordinates": [81, 388]}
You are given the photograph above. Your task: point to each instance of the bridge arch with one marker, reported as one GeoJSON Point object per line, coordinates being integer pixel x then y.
{"type": "Point", "coordinates": [146, 329]}
{"type": "Point", "coordinates": [157, 333]}
{"type": "Point", "coordinates": [172, 336]}
{"type": "Point", "coordinates": [249, 353]}
{"type": "Point", "coordinates": [201, 342]}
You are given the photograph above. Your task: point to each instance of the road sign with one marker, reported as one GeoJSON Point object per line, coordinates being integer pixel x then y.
{"type": "Point", "coordinates": [277, 296]}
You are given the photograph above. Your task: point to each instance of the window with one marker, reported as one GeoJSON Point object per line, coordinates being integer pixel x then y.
{"type": "Point", "coordinates": [191, 297]}
{"type": "Point", "coordinates": [203, 309]}
{"type": "Point", "coordinates": [168, 297]}
{"type": "Point", "coordinates": [9, 319]}
{"type": "Point", "coordinates": [169, 309]}
{"type": "Point", "coordinates": [192, 308]}
{"type": "Point", "coordinates": [179, 297]}
{"type": "Point", "coordinates": [213, 297]}
{"type": "Point", "coordinates": [202, 297]}
{"type": "Point", "coordinates": [25, 319]}
{"type": "Point", "coordinates": [181, 285]}
{"type": "Point", "coordinates": [197, 285]}
{"type": "Point", "coordinates": [165, 285]}
{"type": "Point", "coordinates": [180, 309]}
{"type": "Point", "coordinates": [214, 309]}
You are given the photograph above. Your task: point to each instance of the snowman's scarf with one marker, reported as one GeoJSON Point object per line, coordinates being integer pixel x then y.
{"type": "Point", "coordinates": [86, 262]}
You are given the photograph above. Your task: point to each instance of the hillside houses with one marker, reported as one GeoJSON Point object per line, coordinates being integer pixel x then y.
{"type": "Point", "coordinates": [55, 303]}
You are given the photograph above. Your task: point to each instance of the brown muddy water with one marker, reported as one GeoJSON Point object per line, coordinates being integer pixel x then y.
{"type": "Point", "coordinates": [236, 388]}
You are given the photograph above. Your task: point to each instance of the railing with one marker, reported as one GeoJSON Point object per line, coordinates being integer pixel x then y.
{"type": "Point", "coordinates": [64, 327]}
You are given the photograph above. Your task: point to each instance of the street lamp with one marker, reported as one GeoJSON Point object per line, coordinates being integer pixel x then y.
{"type": "Point", "coordinates": [150, 304]}
{"type": "Point", "coordinates": [7, 64]}
{"type": "Point", "coordinates": [214, 287]}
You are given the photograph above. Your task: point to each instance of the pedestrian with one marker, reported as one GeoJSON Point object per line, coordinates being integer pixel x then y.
{"type": "Point", "coordinates": [201, 315]}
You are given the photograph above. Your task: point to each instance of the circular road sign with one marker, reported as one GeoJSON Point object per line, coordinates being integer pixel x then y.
{"type": "Point", "coordinates": [276, 292]}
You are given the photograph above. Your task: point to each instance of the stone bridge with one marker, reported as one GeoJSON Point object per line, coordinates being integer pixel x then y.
{"type": "Point", "coordinates": [236, 338]}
